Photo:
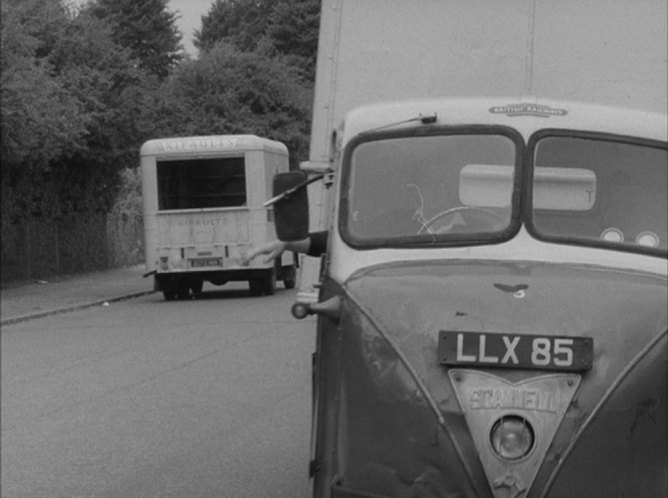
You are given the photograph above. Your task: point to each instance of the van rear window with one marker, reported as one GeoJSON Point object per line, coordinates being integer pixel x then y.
{"type": "Point", "coordinates": [201, 183]}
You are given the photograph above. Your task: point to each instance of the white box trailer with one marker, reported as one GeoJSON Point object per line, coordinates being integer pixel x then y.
{"type": "Point", "coordinates": [203, 211]}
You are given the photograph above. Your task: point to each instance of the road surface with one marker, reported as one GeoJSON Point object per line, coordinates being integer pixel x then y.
{"type": "Point", "coordinates": [148, 398]}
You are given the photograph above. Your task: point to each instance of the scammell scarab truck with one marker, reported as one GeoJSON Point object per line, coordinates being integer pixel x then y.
{"type": "Point", "coordinates": [491, 307]}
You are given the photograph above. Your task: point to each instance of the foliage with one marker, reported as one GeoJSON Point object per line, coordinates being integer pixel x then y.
{"type": "Point", "coordinates": [125, 223]}
{"type": "Point", "coordinates": [255, 73]}
{"type": "Point", "coordinates": [73, 102]}
{"type": "Point", "coordinates": [106, 81]}
{"type": "Point", "coordinates": [241, 23]}
{"type": "Point", "coordinates": [293, 32]}
{"type": "Point", "coordinates": [41, 120]}
{"type": "Point", "coordinates": [146, 28]}
{"type": "Point", "coordinates": [227, 91]}
{"type": "Point", "coordinates": [287, 28]}
{"type": "Point", "coordinates": [82, 89]}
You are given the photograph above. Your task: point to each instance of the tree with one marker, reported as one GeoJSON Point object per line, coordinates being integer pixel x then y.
{"type": "Point", "coordinates": [293, 32]}
{"type": "Point", "coordinates": [227, 91]}
{"type": "Point", "coordinates": [278, 28]}
{"type": "Point", "coordinates": [255, 73]}
{"type": "Point", "coordinates": [145, 27]}
{"type": "Point", "coordinates": [114, 92]}
{"type": "Point", "coordinates": [72, 102]}
{"type": "Point", "coordinates": [40, 119]}
{"type": "Point", "coordinates": [241, 23]}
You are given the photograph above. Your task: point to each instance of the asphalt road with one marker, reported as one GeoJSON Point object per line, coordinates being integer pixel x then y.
{"type": "Point", "coordinates": [148, 398]}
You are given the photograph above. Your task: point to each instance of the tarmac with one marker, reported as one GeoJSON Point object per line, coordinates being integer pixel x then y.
{"type": "Point", "coordinates": [28, 300]}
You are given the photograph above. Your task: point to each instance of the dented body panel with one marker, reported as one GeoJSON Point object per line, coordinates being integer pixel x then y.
{"type": "Point", "coordinates": [404, 423]}
{"type": "Point", "coordinates": [405, 437]}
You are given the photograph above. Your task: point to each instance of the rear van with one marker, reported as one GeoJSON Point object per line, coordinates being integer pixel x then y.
{"type": "Point", "coordinates": [203, 211]}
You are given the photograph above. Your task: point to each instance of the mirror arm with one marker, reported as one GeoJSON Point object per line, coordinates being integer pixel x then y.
{"type": "Point", "coordinates": [292, 190]}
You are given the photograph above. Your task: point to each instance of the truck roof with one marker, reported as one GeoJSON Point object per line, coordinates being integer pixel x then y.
{"type": "Point", "coordinates": [209, 144]}
{"type": "Point", "coordinates": [526, 115]}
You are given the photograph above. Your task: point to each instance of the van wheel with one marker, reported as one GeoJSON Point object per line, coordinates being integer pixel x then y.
{"type": "Point", "coordinates": [266, 284]}
{"type": "Point", "coordinates": [183, 292]}
{"type": "Point", "coordinates": [270, 283]}
{"type": "Point", "coordinates": [169, 295]}
{"type": "Point", "coordinates": [290, 279]}
{"type": "Point", "coordinates": [256, 286]}
{"type": "Point", "coordinates": [196, 287]}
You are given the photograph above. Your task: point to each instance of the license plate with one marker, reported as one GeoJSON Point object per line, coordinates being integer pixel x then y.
{"type": "Point", "coordinates": [539, 352]}
{"type": "Point", "coordinates": [205, 262]}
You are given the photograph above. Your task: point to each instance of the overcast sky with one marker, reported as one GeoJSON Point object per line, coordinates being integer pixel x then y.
{"type": "Point", "coordinates": [191, 12]}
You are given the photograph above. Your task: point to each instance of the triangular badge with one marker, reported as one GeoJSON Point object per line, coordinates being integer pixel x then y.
{"type": "Point", "coordinates": [531, 410]}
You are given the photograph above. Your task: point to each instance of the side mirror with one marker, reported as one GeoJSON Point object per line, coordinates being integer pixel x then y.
{"type": "Point", "coordinates": [291, 210]}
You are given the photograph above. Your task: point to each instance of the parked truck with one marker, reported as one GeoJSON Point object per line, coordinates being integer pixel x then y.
{"type": "Point", "coordinates": [203, 211]}
{"type": "Point", "coordinates": [491, 308]}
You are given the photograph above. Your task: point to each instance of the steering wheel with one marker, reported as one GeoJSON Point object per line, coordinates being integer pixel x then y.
{"type": "Point", "coordinates": [471, 217]}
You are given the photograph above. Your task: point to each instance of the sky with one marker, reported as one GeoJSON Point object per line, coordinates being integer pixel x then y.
{"type": "Point", "coordinates": [191, 12]}
{"type": "Point", "coordinates": [190, 18]}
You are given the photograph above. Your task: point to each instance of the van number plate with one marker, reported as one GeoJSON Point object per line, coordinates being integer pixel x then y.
{"type": "Point", "coordinates": [205, 262]}
{"type": "Point", "coordinates": [540, 352]}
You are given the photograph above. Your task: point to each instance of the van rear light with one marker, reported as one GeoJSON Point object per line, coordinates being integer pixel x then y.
{"type": "Point", "coordinates": [164, 263]}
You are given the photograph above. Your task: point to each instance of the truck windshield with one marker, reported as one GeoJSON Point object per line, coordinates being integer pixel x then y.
{"type": "Point", "coordinates": [608, 192]}
{"type": "Point", "coordinates": [428, 188]}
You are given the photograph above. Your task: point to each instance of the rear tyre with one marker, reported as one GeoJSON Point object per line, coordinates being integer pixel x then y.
{"type": "Point", "coordinates": [256, 286]}
{"type": "Point", "coordinates": [264, 284]}
{"type": "Point", "coordinates": [270, 283]}
{"type": "Point", "coordinates": [196, 288]}
{"type": "Point", "coordinates": [290, 280]}
{"type": "Point", "coordinates": [169, 295]}
{"type": "Point", "coordinates": [289, 274]}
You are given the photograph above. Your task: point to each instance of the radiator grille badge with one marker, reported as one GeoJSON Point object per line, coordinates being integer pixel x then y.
{"type": "Point", "coordinates": [512, 424]}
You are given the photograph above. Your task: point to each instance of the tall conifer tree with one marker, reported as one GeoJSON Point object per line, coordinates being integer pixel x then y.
{"type": "Point", "coordinates": [145, 27]}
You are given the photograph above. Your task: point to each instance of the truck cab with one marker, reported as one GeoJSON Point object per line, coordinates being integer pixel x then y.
{"type": "Point", "coordinates": [492, 304]}
{"type": "Point", "coordinates": [491, 307]}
